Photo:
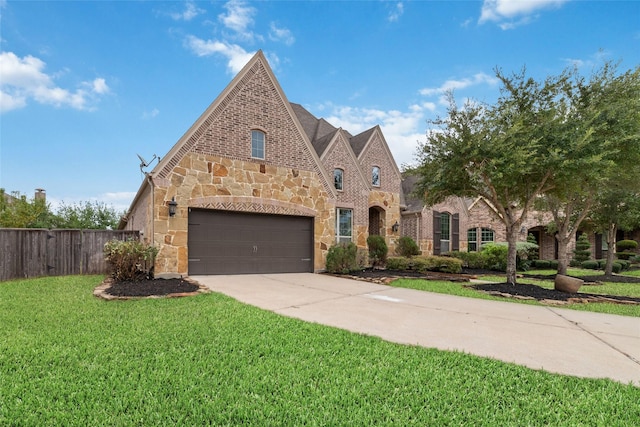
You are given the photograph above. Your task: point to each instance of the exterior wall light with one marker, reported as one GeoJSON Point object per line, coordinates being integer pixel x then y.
{"type": "Point", "coordinates": [395, 227]}
{"type": "Point", "coordinates": [172, 206]}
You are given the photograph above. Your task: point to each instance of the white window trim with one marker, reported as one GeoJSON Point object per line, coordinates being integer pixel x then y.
{"type": "Point", "coordinates": [264, 144]}
{"type": "Point", "coordinates": [339, 237]}
{"type": "Point", "coordinates": [341, 178]}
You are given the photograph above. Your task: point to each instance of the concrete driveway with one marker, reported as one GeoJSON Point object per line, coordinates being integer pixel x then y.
{"type": "Point", "coordinates": [556, 340]}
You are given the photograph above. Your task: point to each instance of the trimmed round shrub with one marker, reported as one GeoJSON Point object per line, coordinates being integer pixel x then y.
{"type": "Point", "coordinates": [581, 252]}
{"type": "Point", "coordinates": [591, 265]}
{"type": "Point", "coordinates": [616, 267]}
{"type": "Point", "coordinates": [624, 263]}
{"type": "Point", "coordinates": [553, 263]}
{"type": "Point", "coordinates": [542, 264]}
{"type": "Point", "coordinates": [377, 250]}
{"type": "Point", "coordinates": [407, 247]}
{"type": "Point", "coordinates": [602, 263]}
{"type": "Point", "coordinates": [342, 258]}
{"type": "Point", "coordinates": [625, 255]}
{"type": "Point", "coordinates": [626, 245]}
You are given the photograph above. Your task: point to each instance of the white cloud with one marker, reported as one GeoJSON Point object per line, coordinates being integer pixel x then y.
{"type": "Point", "coordinates": [237, 57]}
{"type": "Point", "coordinates": [515, 12]}
{"type": "Point", "coordinates": [239, 16]}
{"type": "Point", "coordinates": [402, 129]}
{"type": "Point", "coordinates": [281, 34]}
{"type": "Point", "coordinates": [593, 60]}
{"type": "Point", "coordinates": [24, 78]}
{"type": "Point", "coordinates": [190, 11]}
{"type": "Point", "coordinates": [146, 115]}
{"type": "Point", "coordinates": [449, 85]}
{"type": "Point", "coordinates": [396, 13]}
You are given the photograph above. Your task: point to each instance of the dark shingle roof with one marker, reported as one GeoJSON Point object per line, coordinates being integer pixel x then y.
{"type": "Point", "coordinates": [413, 203]}
{"type": "Point", "coordinates": [359, 141]}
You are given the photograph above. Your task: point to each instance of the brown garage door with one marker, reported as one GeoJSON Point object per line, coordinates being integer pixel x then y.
{"type": "Point", "coordinates": [223, 242]}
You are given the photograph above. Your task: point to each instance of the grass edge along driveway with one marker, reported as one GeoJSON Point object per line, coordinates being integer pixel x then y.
{"type": "Point", "coordinates": [68, 358]}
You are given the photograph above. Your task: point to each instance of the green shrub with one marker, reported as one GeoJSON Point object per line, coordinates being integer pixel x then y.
{"type": "Point", "coordinates": [626, 245]}
{"type": "Point", "coordinates": [625, 255]}
{"type": "Point", "coordinates": [616, 267]}
{"type": "Point", "coordinates": [130, 259]}
{"type": "Point", "coordinates": [495, 256]}
{"type": "Point", "coordinates": [581, 252]}
{"type": "Point", "coordinates": [407, 247]}
{"type": "Point", "coordinates": [635, 259]}
{"type": "Point", "coordinates": [470, 259]}
{"type": "Point", "coordinates": [553, 264]}
{"type": "Point", "coordinates": [542, 264]}
{"type": "Point", "coordinates": [624, 263]}
{"type": "Point", "coordinates": [342, 258]}
{"type": "Point", "coordinates": [377, 250]}
{"type": "Point", "coordinates": [590, 265]}
{"type": "Point", "coordinates": [426, 263]}
{"type": "Point", "coordinates": [534, 251]}
{"type": "Point", "coordinates": [398, 263]}
{"type": "Point", "coordinates": [602, 263]}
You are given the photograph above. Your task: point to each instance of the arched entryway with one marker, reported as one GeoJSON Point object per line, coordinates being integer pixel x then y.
{"type": "Point", "coordinates": [376, 221]}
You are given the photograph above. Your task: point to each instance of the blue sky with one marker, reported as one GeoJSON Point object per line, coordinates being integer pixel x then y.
{"type": "Point", "coordinates": [85, 86]}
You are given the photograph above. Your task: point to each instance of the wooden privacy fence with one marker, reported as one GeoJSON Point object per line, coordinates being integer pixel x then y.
{"type": "Point", "coordinates": [34, 252]}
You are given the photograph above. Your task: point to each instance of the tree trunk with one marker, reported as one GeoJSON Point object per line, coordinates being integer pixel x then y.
{"type": "Point", "coordinates": [611, 248]}
{"type": "Point", "coordinates": [512, 238]}
{"type": "Point", "coordinates": [563, 256]}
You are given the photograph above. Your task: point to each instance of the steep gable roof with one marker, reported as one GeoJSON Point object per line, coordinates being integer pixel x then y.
{"type": "Point", "coordinates": [359, 141]}
{"type": "Point", "coordinates": [256, 68]}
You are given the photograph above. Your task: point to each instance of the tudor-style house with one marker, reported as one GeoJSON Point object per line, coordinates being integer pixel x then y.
{"type": "Point", "coordinates": [260, 185]}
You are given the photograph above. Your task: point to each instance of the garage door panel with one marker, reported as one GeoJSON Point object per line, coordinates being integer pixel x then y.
{"type": "Point", "coordinates": [223, 242]}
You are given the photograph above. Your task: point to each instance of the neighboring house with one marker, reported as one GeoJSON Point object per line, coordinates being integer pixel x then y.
{"type": "Point", "coordinates": [260, 185]}
{"type": "Point", "coordinates": [464, 224]}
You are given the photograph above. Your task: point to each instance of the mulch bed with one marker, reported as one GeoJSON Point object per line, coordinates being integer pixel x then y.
{"type": "Point", "coordinates": [520, 291]}
{"type": "Point", "coordinates": [148, 288]}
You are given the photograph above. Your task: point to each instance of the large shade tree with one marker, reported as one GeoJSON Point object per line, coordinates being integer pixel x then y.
{"type": "Point", "coordinates": [504, 152]}
{"type": "Point", "coordinates": [559, 138]}
{"type": "Point", "coordinates": [600, 126]}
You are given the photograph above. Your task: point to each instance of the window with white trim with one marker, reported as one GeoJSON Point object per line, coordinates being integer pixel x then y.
{"type": "Point", "coordinates": [344, 225]}
{"type": "Point", "coordinates": [472, 240]}
{"type": "Point", "coordinates": [257, 144]}
{"type": "Point", "coordinates": [375, 176]}
{"type": "Point", "coordinates": [445, 232]}
{"type": "Point", "coordinates": [486, 236]}
{"type": "Point", "coordinates": [338, 177]}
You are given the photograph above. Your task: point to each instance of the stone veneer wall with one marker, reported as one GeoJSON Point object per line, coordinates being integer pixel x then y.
{"type": "Point", "coordinates": [213, 182]}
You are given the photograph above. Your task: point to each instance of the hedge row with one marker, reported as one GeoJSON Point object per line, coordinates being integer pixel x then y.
{"type": "Point", "coordinates": [425, 263]}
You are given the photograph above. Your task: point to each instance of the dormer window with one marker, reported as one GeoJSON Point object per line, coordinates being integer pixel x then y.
{"type": "Point", "coordinates": [257, 144]}
{"type": "Point", "coordinates": [338, 178]}
{"type": "Point", "coordinates": [375, 176]}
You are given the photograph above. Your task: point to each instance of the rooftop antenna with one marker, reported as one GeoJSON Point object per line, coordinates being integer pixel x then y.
{"type": "Point", "coordinates": [144, 163]}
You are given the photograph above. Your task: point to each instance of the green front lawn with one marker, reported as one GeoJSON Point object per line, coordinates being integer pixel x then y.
{"type": "Point", "coordinates": [607, 288]}
{"type": "Point", "coordinates": [68, 358]}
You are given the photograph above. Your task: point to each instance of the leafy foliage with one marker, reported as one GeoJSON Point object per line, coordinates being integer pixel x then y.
{"type": "Point", "coordinates": [16, 211]}
{"type": "Point", "coordinates": [582, 251]}
{"type": "Point", "coordinates": [560, 137]}
{"type": "Point", "coordinates": [407, 247]}
{"type": "Point", "coordinates": [342, 258]}
{"type": "Point", "coordinates": [626, 245]}
{"type": "Point", "coordinates": [378, 250]}
{"type": "Point", "coordinates": [88, 215]}
{"type": "Point", "coordinates": [130, 259]}
{"type": "Point", "coordinates": [426, 263]}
